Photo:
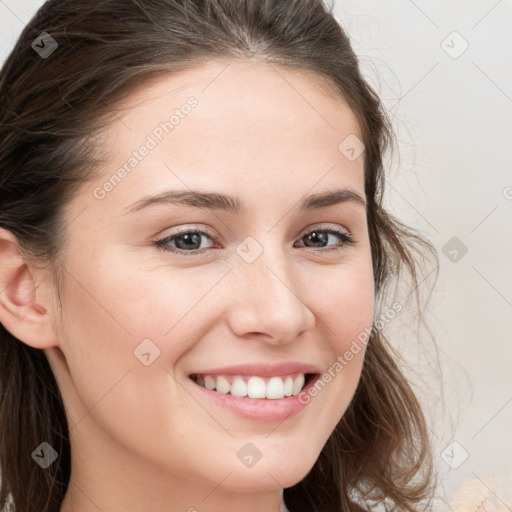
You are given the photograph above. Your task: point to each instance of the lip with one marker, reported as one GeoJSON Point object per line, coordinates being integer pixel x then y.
{"type": "Point", "coordinates": [257, 409]}
{"type": "Point", "coordinates": [261, 369]}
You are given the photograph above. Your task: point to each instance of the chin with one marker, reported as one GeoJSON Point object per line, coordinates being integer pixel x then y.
{"type": "Point", "coordinates": [275, 473]}
{"type": "Point", "coordinates": [265, 479]}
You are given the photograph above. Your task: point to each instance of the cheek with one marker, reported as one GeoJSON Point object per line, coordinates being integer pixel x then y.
{"type": "Point", "coordinates": [117, 320]}
{"type": "Point", "coordinates": [110, 389]}
{"type": "Point", "coordinates": [345, 303]}
{"type": "Point", "coordinates": [345, 309]}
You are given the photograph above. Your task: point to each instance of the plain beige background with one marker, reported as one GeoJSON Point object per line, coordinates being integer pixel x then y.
{"type": "Point", "coordinates": [443, 70]}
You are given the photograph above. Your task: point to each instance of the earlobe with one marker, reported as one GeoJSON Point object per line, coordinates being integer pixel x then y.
{"type": "Point", "coordinates": [21, 312]}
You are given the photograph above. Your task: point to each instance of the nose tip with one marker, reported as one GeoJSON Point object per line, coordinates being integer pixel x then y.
{"type": "Point", "coordinates": [270, 308]}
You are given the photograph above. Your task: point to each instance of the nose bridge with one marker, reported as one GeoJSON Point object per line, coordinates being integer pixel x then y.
{"type": "Point", "coordinates": [268, 299]}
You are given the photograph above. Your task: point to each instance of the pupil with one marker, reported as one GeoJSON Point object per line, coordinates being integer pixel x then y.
{"type": "Point", "coordinates": [189, 239]}
{"type": "Point", "coordinates": [318, 237]}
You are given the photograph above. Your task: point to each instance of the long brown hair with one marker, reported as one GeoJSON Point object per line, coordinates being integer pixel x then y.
{"type": "Point", "coordinates": [50, 107]}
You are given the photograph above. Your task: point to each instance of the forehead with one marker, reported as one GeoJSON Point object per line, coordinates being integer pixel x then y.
{"type": "Point", "coordinates": [239, 124]}
{"type": "Point", "coordinates": [234, 96]}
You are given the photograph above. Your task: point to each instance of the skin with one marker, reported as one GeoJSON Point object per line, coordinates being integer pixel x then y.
{"type": "Point", "coordinates": [141, 438]}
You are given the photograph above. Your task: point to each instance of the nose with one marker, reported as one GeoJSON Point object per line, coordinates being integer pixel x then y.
{"type": "Point", "coordinates": [270, 301]}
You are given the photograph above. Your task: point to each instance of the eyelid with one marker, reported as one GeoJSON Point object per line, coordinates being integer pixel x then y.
{"type": "Point", "coordinates": [325, 225]}
{"type": "Point", "coordinates": [185, 228]}
{"type": "Point", "coordinates": [345, 238]}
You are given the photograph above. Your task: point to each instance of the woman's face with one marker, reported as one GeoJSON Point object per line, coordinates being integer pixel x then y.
{"type": "Point", "coordinates": [254, 287]}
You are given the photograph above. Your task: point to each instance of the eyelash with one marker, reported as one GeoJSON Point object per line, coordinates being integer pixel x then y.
{"type": "Point", "coordinates": [162, 244]}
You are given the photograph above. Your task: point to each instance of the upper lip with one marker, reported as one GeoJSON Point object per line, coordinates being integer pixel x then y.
{"type": "Point", "coordinates": [261, 369]}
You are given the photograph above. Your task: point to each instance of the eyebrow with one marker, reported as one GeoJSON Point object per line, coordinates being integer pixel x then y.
{"type": "Point", "coordinates": [231, 204]}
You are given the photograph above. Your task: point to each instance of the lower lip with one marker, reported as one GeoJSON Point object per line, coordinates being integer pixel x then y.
{"type": "Point", "coordinates": [258, 409]}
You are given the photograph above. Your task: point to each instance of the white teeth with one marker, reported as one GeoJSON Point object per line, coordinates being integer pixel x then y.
{"type": "Point", "coordinates": [239, 387]}
{"type": "Point", "coordinates": [209, 382]}
{"type": "Point", "coordinates": [222, 385]}
{"type": "Point", "coordinates": [275, 388]}
{"type": "Point", "coordinates": [298, 383]}
{"type": "Point", "coordinates": [254, 387]}
{"type": "Point", "coordinates": [288, 386]}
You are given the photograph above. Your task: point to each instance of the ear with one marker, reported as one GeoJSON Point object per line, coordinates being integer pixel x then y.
{"type": "Point", "coordinates": [23, 305]}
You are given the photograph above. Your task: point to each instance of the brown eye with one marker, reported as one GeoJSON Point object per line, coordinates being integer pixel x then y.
{"type": "Point", "coordinates": [320, 237]}
{"type": "Point", "coordinates": [187, 242]}
{"type": "Point", "coordinates": [183, 242]}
